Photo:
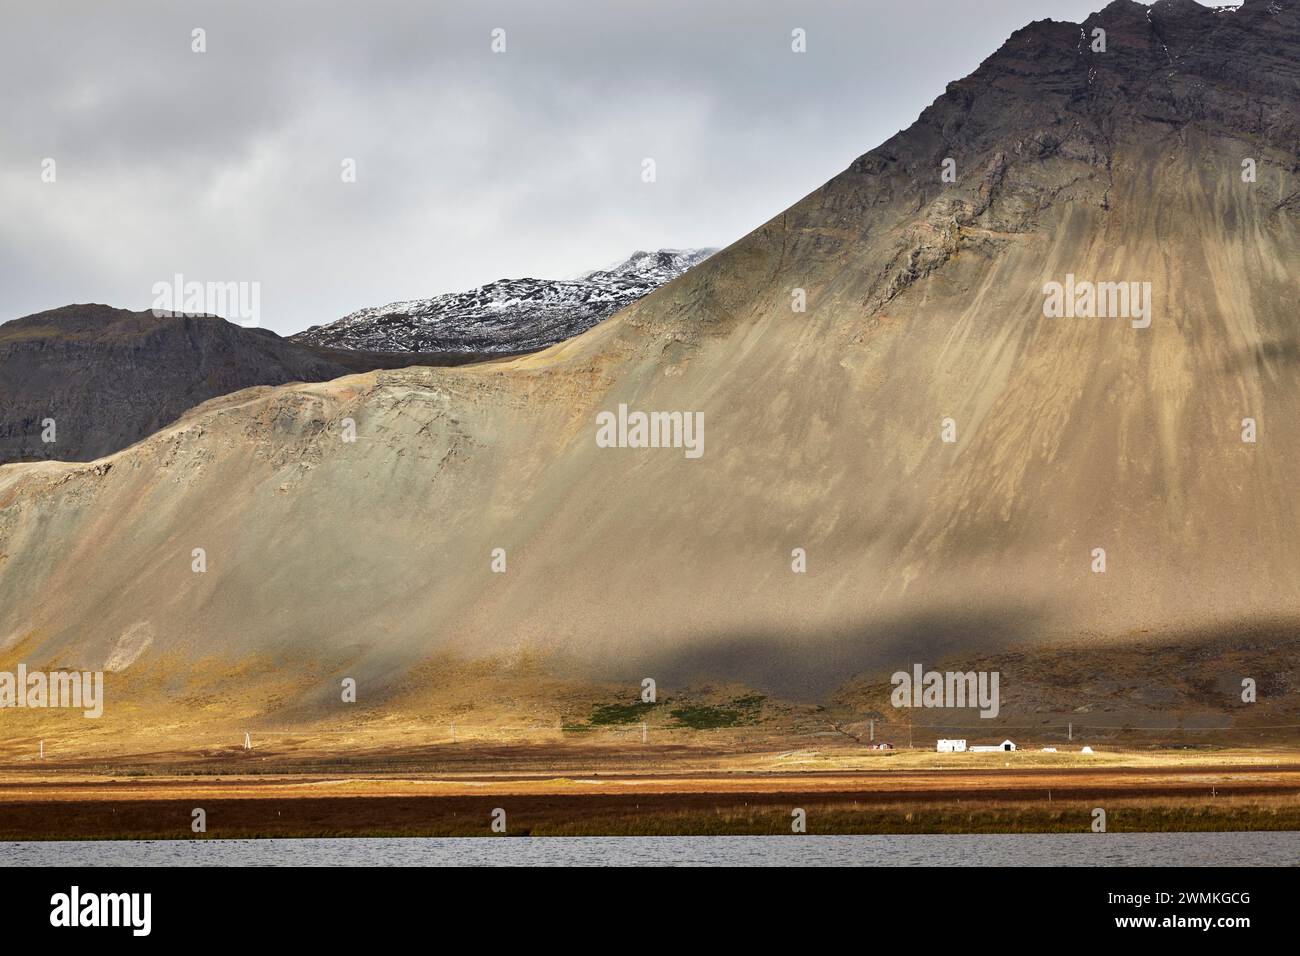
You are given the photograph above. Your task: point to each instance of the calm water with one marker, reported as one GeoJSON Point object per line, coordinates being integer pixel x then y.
{"type": "Point", "coordinates": [1147, 849]}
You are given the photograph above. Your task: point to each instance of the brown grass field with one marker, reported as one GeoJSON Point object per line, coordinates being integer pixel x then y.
{"type": "Point", "coordinates": [620, 788]}
{"type": "Point", "coordinates": [577, 759]}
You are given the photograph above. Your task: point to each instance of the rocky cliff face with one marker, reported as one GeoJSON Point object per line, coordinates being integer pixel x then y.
{"type": "Point", "coordinates": [108, 377]}
{"type": "Point", "coordinates": [508, 316]}
{"type": "Point", "coordinates": [949, 458]}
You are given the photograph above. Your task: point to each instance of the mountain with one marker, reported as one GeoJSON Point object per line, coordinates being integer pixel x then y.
{"type": "Point", "coordinates": [108, 377]}
{"type": "Point", "coordinates": [508, 316]}
{"type": "Point", "coordinates": [824, 430]}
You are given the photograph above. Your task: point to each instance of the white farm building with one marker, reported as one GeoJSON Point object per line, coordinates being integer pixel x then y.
{"type": "Point", "coordinates": [1005, 745]}
{"type": "Point", "coordinates": [952, 746]}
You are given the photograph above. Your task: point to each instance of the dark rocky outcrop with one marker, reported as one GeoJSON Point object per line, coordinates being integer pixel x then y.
{"type": "Point", "coordinates": [109, 377]}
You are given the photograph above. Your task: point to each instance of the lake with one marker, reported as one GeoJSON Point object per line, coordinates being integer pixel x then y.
{"type": "Point", "coordinates": [1272, 848]}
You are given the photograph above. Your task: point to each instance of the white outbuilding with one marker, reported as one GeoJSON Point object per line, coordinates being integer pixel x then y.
{"type": "Point", "coordinates": [1005, 745]}
{"type": "Point", "coordinates": [951, 746]}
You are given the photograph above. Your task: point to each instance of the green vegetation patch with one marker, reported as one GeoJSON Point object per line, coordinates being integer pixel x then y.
{"type": "Point", "coordinates": [605, 715]}
{"type": "Point", "coordinates": [741, 712]}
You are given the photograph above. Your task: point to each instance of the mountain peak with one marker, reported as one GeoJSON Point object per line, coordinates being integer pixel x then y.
{"type": "Point", "coordinates": [508, 315]}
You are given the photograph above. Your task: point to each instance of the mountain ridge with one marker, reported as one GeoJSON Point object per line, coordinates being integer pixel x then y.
{"type": "Point", "coordinates": [508, 315]}
{"type": "Point", "coordinates": [825, 431]}
{"type": "Point", "coordinates": [110, 377]}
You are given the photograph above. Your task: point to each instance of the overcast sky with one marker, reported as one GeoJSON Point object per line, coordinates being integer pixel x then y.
{"type": "Point", "coordinates": [471, 165]}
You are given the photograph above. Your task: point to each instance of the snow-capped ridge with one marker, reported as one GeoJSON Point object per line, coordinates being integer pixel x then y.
{"type": "Point", "coordinates": [508, 315]}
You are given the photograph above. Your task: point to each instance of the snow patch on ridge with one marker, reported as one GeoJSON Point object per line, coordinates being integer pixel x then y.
{"type": "Point", "coordinates": [509, 315]}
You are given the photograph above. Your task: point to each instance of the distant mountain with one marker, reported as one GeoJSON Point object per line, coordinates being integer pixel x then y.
{"type": "Point", "coordinates": [506, 316]}
{"type": "Point", "coordinates": [109, 377]}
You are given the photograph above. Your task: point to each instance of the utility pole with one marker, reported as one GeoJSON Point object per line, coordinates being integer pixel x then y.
{"type": "Point", "coordinates": [643, 732]}
{"type": "Point", "coordinates": [873, 731]}
{"type": "Point", "coordinates": [1070, 732]}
